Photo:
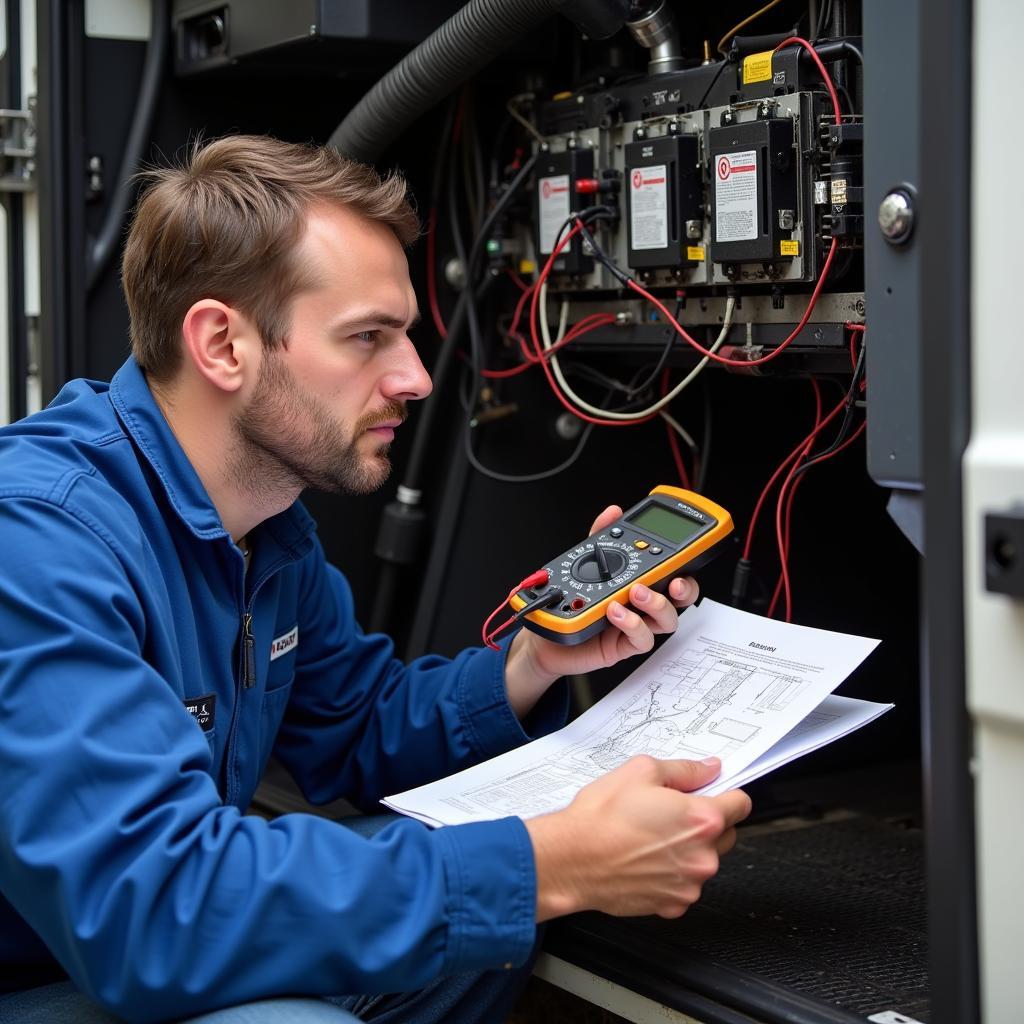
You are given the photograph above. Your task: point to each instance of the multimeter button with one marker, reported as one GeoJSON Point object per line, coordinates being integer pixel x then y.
{"type": "Point", "coordinates": [616, 531]}
{"type": "Point", "coordinates": [640, 544]}
{"type": "Point", "coordinates": [655, 550]}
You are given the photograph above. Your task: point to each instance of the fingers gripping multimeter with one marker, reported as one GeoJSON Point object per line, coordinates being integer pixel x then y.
{"type": "Point", "coordinates": [670, 530]}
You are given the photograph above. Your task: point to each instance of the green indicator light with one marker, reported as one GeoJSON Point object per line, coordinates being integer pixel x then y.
{"type": "Point", "coordinates": [493, 246]}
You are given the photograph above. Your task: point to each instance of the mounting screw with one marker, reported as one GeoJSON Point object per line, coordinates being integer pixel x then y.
{"type": "Point", "coordinates": [896, 216]}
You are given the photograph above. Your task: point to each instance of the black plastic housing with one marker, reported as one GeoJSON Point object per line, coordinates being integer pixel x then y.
{"type": "Point", "coordinates": [679, 155]}
{"type": "Point", "coordinates": [777, 176]}
{"type": "Point", "coordinates": [574, 164]}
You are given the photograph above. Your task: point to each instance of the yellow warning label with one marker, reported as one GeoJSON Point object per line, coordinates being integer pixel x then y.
{"type": "Point", "coordinates": [757, 67]}
{"type": "Point", "coordinates": [695, 252]}
{"type": "Point", "coordinates": [789, 247]}
{"type": "Point", "coordinates": [527, 267]}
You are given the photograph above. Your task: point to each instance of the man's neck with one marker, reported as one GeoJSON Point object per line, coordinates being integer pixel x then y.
{"type": "Point", "coordinates": [243, 495]}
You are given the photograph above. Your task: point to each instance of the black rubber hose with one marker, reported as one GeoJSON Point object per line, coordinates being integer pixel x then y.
{"type": "Point", "coordinates": [456, 51]}
{"type": "Point", "coordinates": [103, 247]}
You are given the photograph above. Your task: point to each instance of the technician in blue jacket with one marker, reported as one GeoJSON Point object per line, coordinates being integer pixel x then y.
{"type": "Point", "coordinates": [168, 620]}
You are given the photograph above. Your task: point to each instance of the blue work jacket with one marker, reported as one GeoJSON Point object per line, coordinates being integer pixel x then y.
{"type": "Point", "coordinates": [146, 678]}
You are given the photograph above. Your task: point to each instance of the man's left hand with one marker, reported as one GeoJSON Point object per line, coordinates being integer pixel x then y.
{"type": "Point", "coordinates": [535, 663]}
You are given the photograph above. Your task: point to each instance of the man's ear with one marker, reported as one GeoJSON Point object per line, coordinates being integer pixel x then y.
{"type": "Point", "coordinates": [220, 343]}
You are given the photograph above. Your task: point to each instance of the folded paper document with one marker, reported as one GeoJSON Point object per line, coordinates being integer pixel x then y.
{"type": "Point", "coordinates": [752, 691]}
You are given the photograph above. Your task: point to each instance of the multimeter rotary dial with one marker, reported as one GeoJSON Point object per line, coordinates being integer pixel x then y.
{"type": "Point", "coordinates": [591, 565]}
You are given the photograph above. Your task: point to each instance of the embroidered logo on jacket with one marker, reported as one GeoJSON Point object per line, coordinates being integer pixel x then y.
{"type": "Point", "coordinates": [284, 643]}
{"type": "Point", "coordinates": [202, 709]}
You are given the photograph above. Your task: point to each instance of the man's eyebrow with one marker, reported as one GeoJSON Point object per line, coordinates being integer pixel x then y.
{"type": "Point", "coordinates": [384, 319]}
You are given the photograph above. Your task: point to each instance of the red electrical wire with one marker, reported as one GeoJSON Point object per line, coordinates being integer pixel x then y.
{"type": "Point", "coordinates": [584, 326]}
{"type": "Point", "coordinates": [745, 363]}
{"type": "Point", "coordinates": [778, 586]}
{"type": "Point", "coordinates": [780, 503]}
{"type": "Point", "coordinates": [673, 441]}
{"type": "Point", "coordinates": [539, 351]}
{"type": "Point", "coordinates": [519, 282]}
{"type": "Point", "coordinates": [535, 579]}
{"type": "Point", "coordinates": [796, 40]}
{"type": "Point", "coordinates": [771, 482]}
{"type": "Point", "coordinates": [435, 309]}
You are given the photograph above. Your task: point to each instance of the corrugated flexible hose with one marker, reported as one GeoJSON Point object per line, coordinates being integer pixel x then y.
{"type": "Point", "coordinates": [464, 44]}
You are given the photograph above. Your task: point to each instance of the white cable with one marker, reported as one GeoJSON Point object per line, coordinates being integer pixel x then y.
{"type": "Point", "coordinates": [670, 420]}
{"type": "Point", "coordinates": [545, 331]}
{"type": "Point", "coordinates": [514, 113]}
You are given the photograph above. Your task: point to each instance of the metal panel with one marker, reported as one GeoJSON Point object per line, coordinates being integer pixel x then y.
{"type": "Point", "coordinates": [942, 121]}
{"type": "Point", "coordinates": [892, 274]}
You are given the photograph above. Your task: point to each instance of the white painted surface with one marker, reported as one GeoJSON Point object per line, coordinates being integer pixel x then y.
{"type": "Point", "coordinates": [602, 992]}
{"type": "Point", "coordinates": [994, 481]}
{"type": "Point", "coordinates": [117, 19]}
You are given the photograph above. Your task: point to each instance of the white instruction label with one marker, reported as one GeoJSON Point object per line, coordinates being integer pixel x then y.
{"type": "Point", "coordinates": [892, 1017]}
{"type": "Point", "coordinates": [554, 209]}
{"type": "Point", "coordinates": [648, 207]}
{"type": "Point", "coordinates": [736, 197]}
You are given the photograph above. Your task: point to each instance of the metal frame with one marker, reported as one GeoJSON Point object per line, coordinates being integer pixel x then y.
{"type": "Point", "coordinates": [62, 184]}
{"type": "Point", "coordinates": [17, 327]}
{"type": "Point", "coordinates": [943, 121]}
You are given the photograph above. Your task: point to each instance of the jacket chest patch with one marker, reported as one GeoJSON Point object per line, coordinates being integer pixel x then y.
{"type": "Point", "coordinates": [284, 643]}
{"type": "Point", "coordinates": [202, 709]}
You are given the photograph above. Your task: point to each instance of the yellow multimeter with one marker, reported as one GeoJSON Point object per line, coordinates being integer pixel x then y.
{"type": "Point", "coordinates": [670, 530]}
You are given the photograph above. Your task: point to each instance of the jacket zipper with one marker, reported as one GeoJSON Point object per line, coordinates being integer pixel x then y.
{"type": "Point", "coordinates": [248, 682]}
{"type": "Point", "coordinates": [248, 652]}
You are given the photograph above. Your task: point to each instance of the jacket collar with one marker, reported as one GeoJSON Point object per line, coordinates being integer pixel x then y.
{"type": "Point", "coordinates": [145, 423]}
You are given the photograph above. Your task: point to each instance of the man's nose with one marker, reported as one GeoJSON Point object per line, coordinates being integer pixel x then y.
{"type": "Point", "coordinates": [408, 379]}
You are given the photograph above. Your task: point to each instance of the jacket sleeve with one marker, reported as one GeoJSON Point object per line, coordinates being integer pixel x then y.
{"type": "Point", "coordinates": [362, 725]}
{"type": "Point", "coordinates": [160, 901]}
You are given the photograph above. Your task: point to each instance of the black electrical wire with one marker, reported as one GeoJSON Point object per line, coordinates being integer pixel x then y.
{"type": "Point", "coordinates": [101, 248]}
{"type": "Point", "coordinates": [706, 438]}
{"type": "Point", "coordinates": [528, 478]}
{"type": "Point", "coordinates": [419, 454]}
{"type": "Point", "coordinates": [824, 17]}
{"type": "Point", "coordinates": [844, 430]}
{"type": "Point", "coordinates": [476, 348]}
{"type": "Point", "coordinates": [663, 358]}
{"type": "Point", "coordinates": [707, 91]}
{"type": "Point", "coordinates": [440, 158]}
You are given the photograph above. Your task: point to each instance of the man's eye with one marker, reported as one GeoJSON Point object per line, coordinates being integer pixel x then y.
{"type": "Point", "coordinates": [370, 337]}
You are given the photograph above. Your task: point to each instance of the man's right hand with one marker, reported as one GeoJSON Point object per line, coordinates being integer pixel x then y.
{"type": "Point", "coordinates": [635, 841]}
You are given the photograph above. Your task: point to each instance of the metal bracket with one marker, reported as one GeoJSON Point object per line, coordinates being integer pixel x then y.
{"type": "Point", "coordinates": [18, 149]}
{"type": "Point", "coordinates": [1004, 552]}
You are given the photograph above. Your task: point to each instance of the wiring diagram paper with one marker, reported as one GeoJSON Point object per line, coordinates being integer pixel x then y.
{"type": "Point", "coordinates": [727, 683]}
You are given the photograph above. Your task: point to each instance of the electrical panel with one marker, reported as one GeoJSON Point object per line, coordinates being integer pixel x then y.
{"type": "Point", "coordinates": [711, 183]}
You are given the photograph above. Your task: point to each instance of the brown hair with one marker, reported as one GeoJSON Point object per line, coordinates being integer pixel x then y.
{"type": "Point", "coordinates": [227, 224]}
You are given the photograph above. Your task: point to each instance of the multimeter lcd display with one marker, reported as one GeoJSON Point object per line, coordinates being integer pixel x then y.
{"type": "Point", "coordinates": [666, 523]}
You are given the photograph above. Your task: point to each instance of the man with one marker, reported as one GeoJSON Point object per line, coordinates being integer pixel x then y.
{"type": "Point", "coordinates": [168, 621]}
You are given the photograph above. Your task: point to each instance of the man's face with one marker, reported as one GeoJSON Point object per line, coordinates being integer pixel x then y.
{"type": "Point", "coordinates": [326, 404]}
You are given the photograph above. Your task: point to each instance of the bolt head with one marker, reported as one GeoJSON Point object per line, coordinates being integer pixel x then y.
{"type": "Point", "coordinates": [896, 216]}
